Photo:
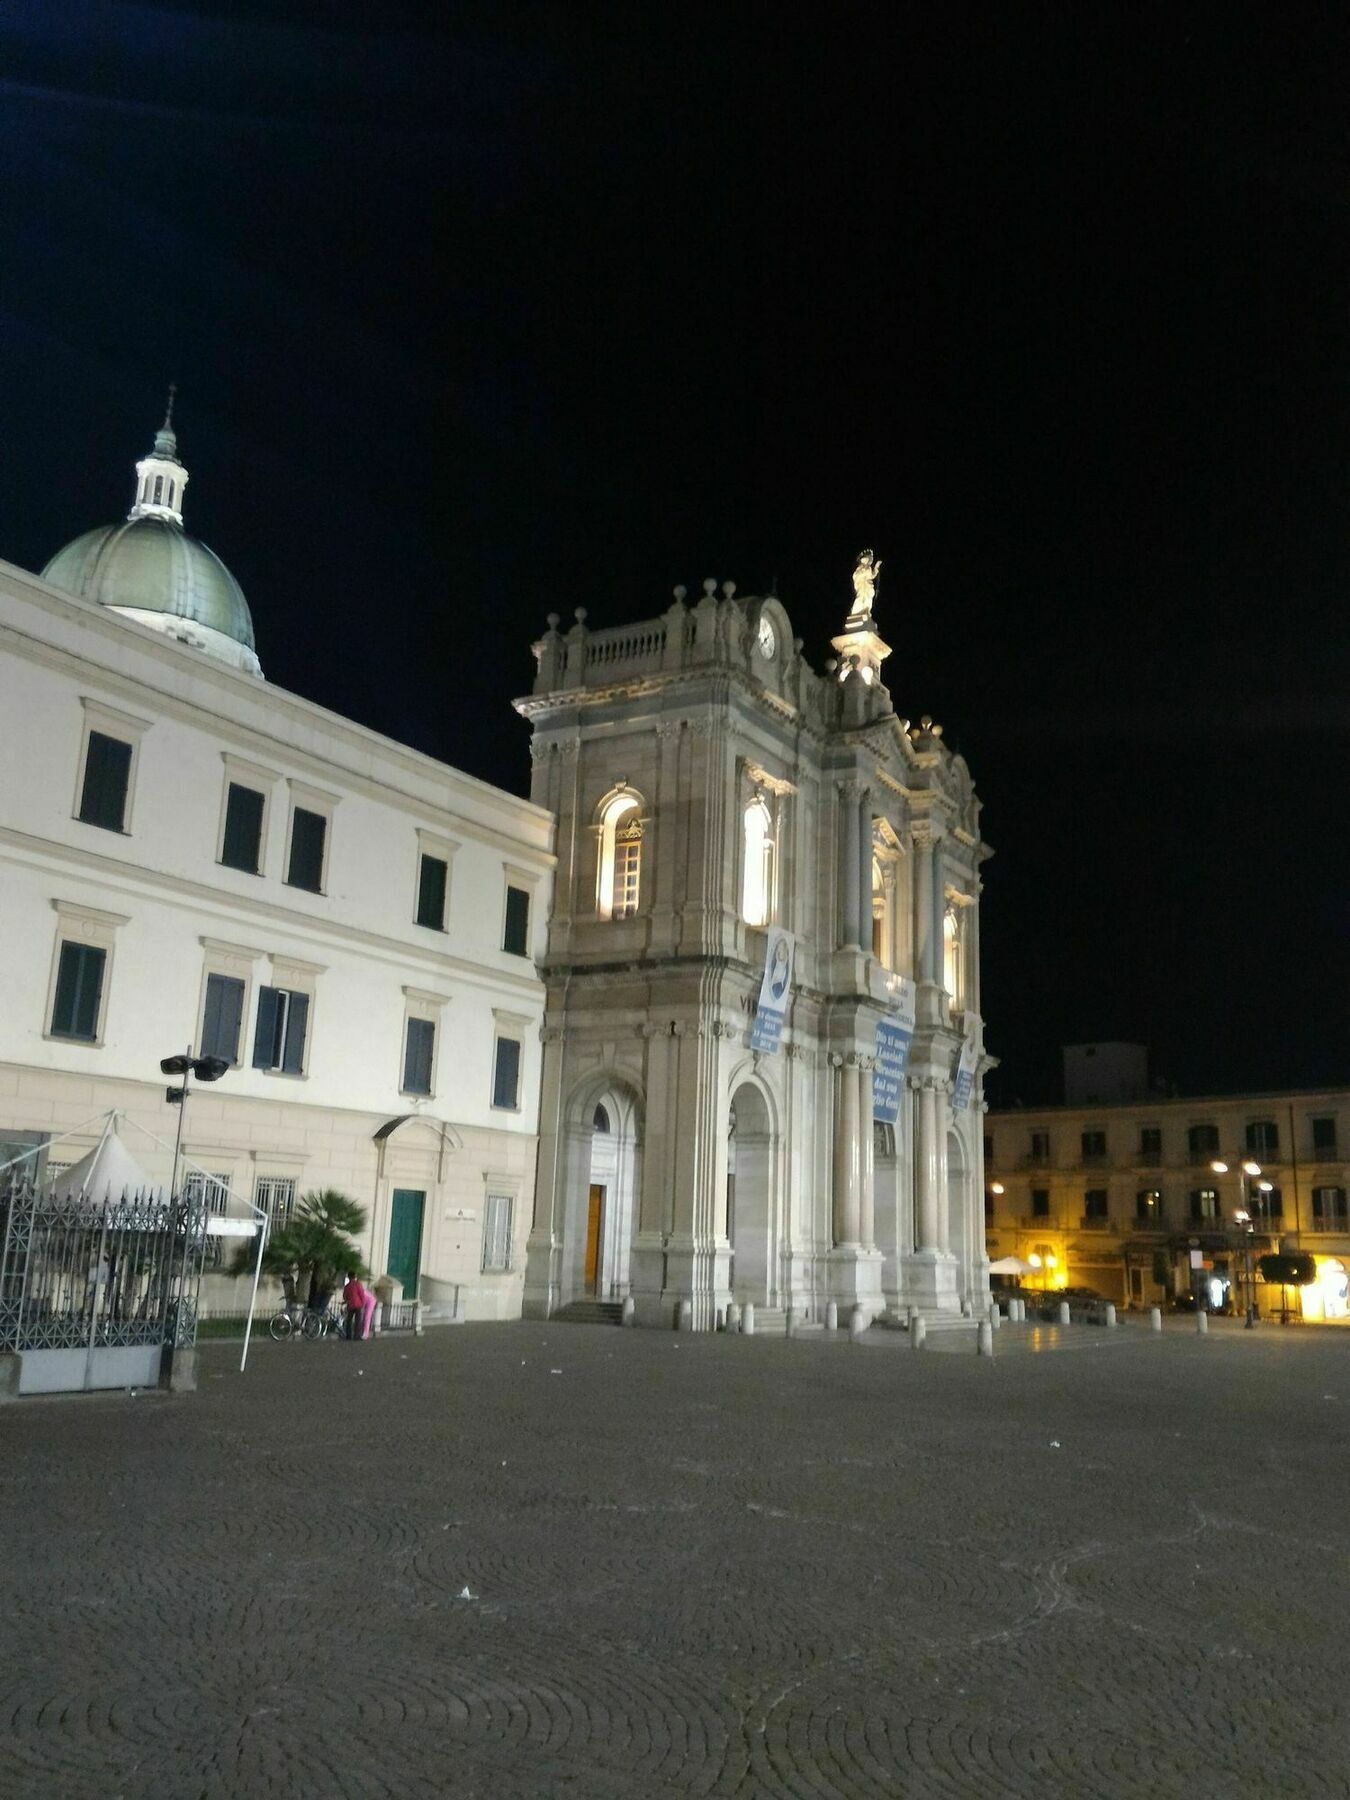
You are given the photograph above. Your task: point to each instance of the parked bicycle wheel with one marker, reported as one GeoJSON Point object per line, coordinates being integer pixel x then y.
{"type": "Point", "coordinates": [281, 1327]}
{"type": "Point", "coordinates": [312, 1327]}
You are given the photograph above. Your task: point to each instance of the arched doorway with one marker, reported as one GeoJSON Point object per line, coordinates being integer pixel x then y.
{"type": "Point", "coordinates": [603, 1205]}
{"type": "Point", "coordinates": [751, 1188]}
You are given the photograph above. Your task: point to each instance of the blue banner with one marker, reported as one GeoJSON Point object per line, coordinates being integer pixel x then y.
{"type": "Point", "coordinates": [888, 1078]}
{"type": "Point", "coordinates": [774, 992]}
{"type": "Point", "coordinates": [965, 1077]}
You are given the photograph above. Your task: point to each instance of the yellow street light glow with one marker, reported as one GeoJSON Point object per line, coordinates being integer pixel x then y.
{"type": "Point", "coordinates": [1265, 1187]}
{"type": "Point", "coordinates": [1219, 1168]}
{"type": "Point", "coordinates": [1251, 1168]}
{"type": "Point", "coordinates": [1034, 1260]}
{"type": "Point", "coordinates": [996, 1187]}
{"type": "Point", "coordinates": [1050, 1261]}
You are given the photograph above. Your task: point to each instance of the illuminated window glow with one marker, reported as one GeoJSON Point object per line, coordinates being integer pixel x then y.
{"type": "Point", "coordinates": [620, 857]}
{"type": "Point", "coordinates": [757, 885]}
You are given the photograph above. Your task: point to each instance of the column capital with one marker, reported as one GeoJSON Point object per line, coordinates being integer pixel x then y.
{"type": "Point", "coordinates": [926, 833]}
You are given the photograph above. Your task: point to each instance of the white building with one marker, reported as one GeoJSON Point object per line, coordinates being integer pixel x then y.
{"type": "Point", "coordinates": [191, 855]}
{"type": "Point", "coordinates": [711, 789]}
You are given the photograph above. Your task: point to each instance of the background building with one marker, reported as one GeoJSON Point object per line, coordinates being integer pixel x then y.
{"type": "Point", "coordinates": [191, 855]}
{"type": "Point", "coordinates": [1116, 1196]}
{"type": "Point", "coordinates": [711, 791]}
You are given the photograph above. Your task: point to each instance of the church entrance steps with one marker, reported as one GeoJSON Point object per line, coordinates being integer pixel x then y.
{"type": "Point", "coordinates": [591, 1312]}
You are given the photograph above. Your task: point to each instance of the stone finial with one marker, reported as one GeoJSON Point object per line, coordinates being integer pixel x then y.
{"type": "Point", "coordinates": [710, 586]}
{"type": "Point", "coordinates": [831, 664]}
{"type": "Point", "coordinates": [680, 590]}
{"type": "Point", "coordinates": [553, 621]}
{"type": "Point", "coordinates": [728, 589]}
{"type": "Point", "coordinates": [580, 615]}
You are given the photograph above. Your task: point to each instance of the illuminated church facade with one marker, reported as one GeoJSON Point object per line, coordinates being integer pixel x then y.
{"type": "Point", "coordinates": [712, 793]}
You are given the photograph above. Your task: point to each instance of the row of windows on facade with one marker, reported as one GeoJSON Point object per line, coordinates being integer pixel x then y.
{"type": "Point", "coordinates": [275, 1195]}
{"type": "Point", "coordinates": [1202, 1205]}
{"type": "Point", "coordinates": [620, 876]}
{"type": "Point", "coordinates": [105, 789]}
{"type": "Point", "coordinates": [280, 1042]}
{"type": "Point", "coordinates": [1260, 1136]}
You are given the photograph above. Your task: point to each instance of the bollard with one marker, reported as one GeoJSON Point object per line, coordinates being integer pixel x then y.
{"type": "Point", "coordinates": [790, 1322]}
{"type": "Point", "coordinates": [629, 1309]}
{"type": "Point", "coordinates": [733, 1317]}
{"type": "Point", "coordinates": [1021, 1306]}
{"type": "Point", "coordinates": [1201, 1321]}
{"type": "Point", "coordinates": [984, 1339]}
{"type": "Point", "coordinates": [995, 1317]}
{"type": "Point", "coordinates": [684, 1320]}
{"type": "Point", "coordinates": [832, 1315]}
{"type": "Point", "coordinates": [1063, 1312]}
{"type": "Point", "coordinates": [918, 1331]}
{"type": "Point", "coordinates": [966, 1308]}
{"type": "Point", "coordinates": [418, 1326]}
{"type": "Point", "coordinates": [857, 1324]}
{"type": "Point", "coordinates": [1110, 1316]}
{"type": "Point", "coordinates": [911, 1314]}
{"type": "Point", "coordinates": [748, 1319]}
{"type": "Point", "coordinates": [1155, 1318]}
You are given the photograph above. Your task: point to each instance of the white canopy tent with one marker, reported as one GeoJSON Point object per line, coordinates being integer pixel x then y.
{"type": "Point", "coordinates": [108, 1172]}
{"type": "Point", "coordinates": [1010, 1265]}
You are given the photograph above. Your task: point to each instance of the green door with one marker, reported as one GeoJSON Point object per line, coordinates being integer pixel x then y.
{"type": "Point", "coordinates": [405, 1238]}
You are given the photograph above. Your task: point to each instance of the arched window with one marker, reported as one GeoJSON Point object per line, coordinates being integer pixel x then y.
{"type": "Point", "coordinates": [159, 489]}
{"type": "Point", "coordinates": [757, 883]}
{"type": "Point", "coordinates": [600, 1121]}
{"type": "Point", "coordinates": [620, 857]}
{"type": "Point", "coordinates": [951, 955]}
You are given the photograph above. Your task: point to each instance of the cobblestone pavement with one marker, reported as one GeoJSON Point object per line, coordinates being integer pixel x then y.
{"type": "Point", "coordinates": [693, 1565]}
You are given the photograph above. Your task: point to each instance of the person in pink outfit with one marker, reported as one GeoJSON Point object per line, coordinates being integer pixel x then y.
{"type": "Point", "coordinates": [360, 1302]}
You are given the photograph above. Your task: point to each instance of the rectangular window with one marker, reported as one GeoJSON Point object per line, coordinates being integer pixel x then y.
{"type": "Point", "coordinates": [1148, 1206]}
{"type": "Point", "coordinates": [418, 1051]}
{"type": "Point", "coordinates": [497, 1234]}
{"type": "Point", "coordinates": [79, 990]}
{"type": "Point", "coordinates": [213, 1192]}
{"type": "Point", "coordinates": [242, 846]}
{"type": "Point", "coordinates": [1094, 1203]}
{"type": "Point", "coordinates": [1204, 1206]}
{"type": "Point", "coordinates": [1268, 1206]}
{"type": "Point", "coordinates": [222, 1017]}
{"type": "Point", "coordinates": [431, 892]}
{"type": "Point", "coordinates": [1203, 1140]}
{"type": "Point", "coordinates": [1094, 1145]}
{"type": "Point", "coordinates": [1328, 1204]}
{"type": "Point", "coordinates": [1263, 1134]}
{"type": "Point", "coordinates": [1150, 1142]}
{"type": "Point", "coordinates": [1040, 1203]}
{"type": "Point", "coordinates": [279, 1039]}
{"type": "Point", "coordinates": [516, 937]}
{"type": "Point", "coordinates": [1324, 1134]}
{"type": "Point", "coordinates": [506, 1073]}
{"type": "Point", "coordinates": [275, 1194]}
{"type": "Point", "coordinates": [107, 776]}
{"type": "Point", "coordinates": [1040, 1146]}
{"type": "Point", "coordinates": [627, 872]}
{"type": "Point", "coordinates": [305, 868]}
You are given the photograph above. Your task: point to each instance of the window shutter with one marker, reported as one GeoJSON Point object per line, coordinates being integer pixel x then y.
{"type": "Point", "coordinates": [297, 1017]}
{"type": "Point", "coordinates": [506, 1076]}
{"type": "Point", "coordinates": [306, 865]}
{"type": "Point", "coordinates": [79, 987]}
{"type": "Point", "coordinates": [107, 770]}
{"type": "Point", "coordinates": [265, 1033]}
{"type": "Point", "coordinates": [497, 1232]}
{"type": "Point", "coordinates": [222, 1017]}
{"type": "Point", "coordinates": [431, 893]}
{"type": "Point", "coordinates": [417, 1056]}
{"type": "Point", "coordinates": [243, 828]}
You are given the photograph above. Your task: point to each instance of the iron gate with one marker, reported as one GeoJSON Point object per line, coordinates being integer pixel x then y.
{"type": "Point", "coordinates": [92, 1293]}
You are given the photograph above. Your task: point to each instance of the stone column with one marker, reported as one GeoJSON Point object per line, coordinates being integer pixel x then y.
{"type": "Point", "coordinates": [942, 1110]}
{"type": "Point", "coordinates": [925, 926]}
{"type": "Point", "coordinates": [865, 869]}
{"type": "Point", "coordinates": [928, 1223]}
{"type": "Point", "coordinates": [847, 1156]}
{"type": "Point", "coordinates": [848, 872]}
{"type": "Point", "coordinates": [866, 1149]}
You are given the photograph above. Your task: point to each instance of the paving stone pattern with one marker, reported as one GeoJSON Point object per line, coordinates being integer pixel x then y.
{"type": "Point", "coordinates": [698, 1565]}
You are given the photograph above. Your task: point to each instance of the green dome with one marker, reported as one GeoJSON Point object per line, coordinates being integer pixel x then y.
{"type": "Point", "coordinates": [152, 565]}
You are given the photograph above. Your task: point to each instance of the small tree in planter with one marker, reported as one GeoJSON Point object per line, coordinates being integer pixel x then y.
{"type": "Point", "coordinates": [1286, 1269]}
{"type": "Point", "coordinates": [314, 1245]}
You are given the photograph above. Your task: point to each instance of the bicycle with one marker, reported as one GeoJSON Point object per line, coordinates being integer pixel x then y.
{"type": "Point", "coordinates": [305, 1322]}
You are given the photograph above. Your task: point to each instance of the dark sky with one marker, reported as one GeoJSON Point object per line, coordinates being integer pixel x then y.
{"type": "Point", "coordinates": [539, 307]}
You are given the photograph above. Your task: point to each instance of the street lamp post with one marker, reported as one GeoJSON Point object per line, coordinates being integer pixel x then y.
{"type": "Point", "coordinates": [1247, 1170]}
{"type": "Point", "coordinates": [205, 1068]}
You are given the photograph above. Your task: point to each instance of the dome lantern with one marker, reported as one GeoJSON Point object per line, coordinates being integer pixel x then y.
{"type": "Point", "coordinates": [160, 477]}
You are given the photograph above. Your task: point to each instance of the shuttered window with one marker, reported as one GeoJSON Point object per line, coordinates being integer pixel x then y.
{"type": "Point", "coordinates": [305, 868]}
{"type": "Point", "coordinates": [107, 773]}
{"type": "Point", "coordinates": [243, 828]}
{"type": "Point", "coordinates": [222, 1017]}
{"type": "Point", "coordinates": [516, 937]}
{"type": "Point", "coordinates": [506, 1073]}
{"type": "Point", "coordinates": [431, 893]}
{"type": "Point", "coordinates": [418, 1051]}
{"type": "Point", "coordinates": [79, 988]}
{"type": "Point", "coordinates": [497, 1232]}
{"type": "Point", "coordinates": [279, 1038]}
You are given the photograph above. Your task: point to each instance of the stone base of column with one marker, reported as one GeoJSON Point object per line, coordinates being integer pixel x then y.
{"type": "Point", "coordinates": [700, 1275]}
{"type": "Point", "coordinates": [931, 1281]}
{"type": "Point", "coordinates": [543, 1295]}
{"type": "Point", "coordinates": [855, 1278]}
{"type": "Point", "coordinates": [647, 1281]}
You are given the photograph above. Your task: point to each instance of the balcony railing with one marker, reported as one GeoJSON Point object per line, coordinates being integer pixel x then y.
{"type": "Point", "coordinates": [1035, 1159]}
{"type": "Point", "coordinates": [1038, 1222]}
{"type": "Point", "coordinates": [1093, 1159]}
{"type": "Point", "coordinates": [1095, 1222]}
{"type": "Point", "coordinates": [1148, 1159]}
{"type": "Point", "coordinates": [1326, 1222]}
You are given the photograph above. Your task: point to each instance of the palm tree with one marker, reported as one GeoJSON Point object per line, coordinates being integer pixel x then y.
{"type": "Point", "coordinates": [316, 1241]}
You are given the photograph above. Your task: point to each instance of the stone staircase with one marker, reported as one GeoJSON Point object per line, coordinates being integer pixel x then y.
{"type": "Point", "coordinates": [590, 1312]}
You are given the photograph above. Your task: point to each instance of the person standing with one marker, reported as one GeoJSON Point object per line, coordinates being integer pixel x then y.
{"type": "Point", "coordinates": [354, 1297]}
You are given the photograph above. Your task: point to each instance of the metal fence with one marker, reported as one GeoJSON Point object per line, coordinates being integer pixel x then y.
{"type": "Point", "coordinates": [91, 1293]}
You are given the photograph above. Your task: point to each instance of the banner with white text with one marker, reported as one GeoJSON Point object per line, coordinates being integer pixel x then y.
{"type": "Point", "coordinates": [895, 1034]}
{"type": "Point", "coordinates": [774, 990]}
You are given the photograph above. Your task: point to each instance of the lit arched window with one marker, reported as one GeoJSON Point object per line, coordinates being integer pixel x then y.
{"type": "Point", "coordinates": [951, 955]}
{"type": "Point", "coordinates": [600, 1119]}
{"type": "Point", "coordinates": [620, 857]}
{"type": "Point", "coordinates": [757, 885]}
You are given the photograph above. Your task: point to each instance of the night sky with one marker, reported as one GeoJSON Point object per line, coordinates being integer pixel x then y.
{"type": "Point", "coordinates": [541, 307]}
